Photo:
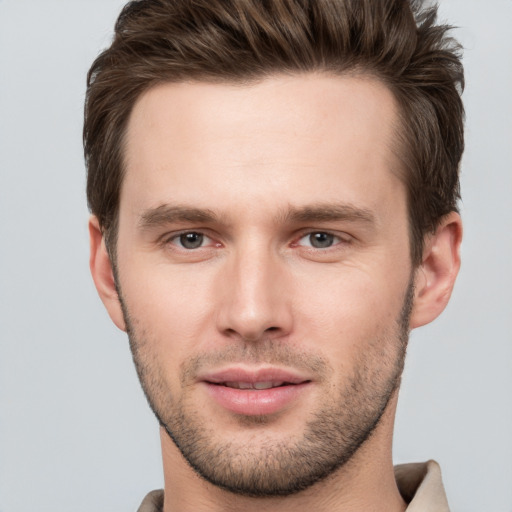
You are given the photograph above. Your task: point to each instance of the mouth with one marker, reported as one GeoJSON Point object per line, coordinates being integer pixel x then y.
{"type": "Point", "coordinates": [255, 385]}
{"type": "Point", "coordinates": [255, 392]}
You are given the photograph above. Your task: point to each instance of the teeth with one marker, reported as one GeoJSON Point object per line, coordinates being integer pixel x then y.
{"type": "Point", "coordinates": [264, 385]}
{"type": "Point", "coordinates": [255, 385]}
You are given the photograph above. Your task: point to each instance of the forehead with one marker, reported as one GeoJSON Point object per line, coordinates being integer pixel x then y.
{"type": "Point", "coordinates": [284, 137]}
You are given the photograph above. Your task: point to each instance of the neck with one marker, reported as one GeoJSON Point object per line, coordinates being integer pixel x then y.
{"type": "Point", "coordinates": [365, 483]}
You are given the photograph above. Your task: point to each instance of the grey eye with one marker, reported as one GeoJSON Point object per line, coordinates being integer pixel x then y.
{"type": "Point", "coordinates": [321, 240]}
{"type": "Point", "coordinates": [191, 240]}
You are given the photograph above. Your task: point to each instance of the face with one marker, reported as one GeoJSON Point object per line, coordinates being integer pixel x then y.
{"type": "Point", "coordinates": [263, 267]}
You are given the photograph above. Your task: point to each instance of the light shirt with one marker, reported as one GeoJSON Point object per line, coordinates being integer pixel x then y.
{"type": "Point", "coordinates": [421, 486]}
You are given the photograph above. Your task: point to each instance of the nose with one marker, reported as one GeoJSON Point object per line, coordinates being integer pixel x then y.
{"type": "Point", "coordinates": [255, 297]}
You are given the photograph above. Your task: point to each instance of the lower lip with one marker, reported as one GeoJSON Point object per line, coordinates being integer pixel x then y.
{"type": "Point", "coordinates": [251, 402]}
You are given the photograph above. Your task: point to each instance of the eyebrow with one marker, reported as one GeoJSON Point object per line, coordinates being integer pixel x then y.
{"type": "Point", "coordinates": [324, 212]}
{"type": "Point", "coordinates": [167, 214]}
{"type": "Point", "coordinates": [329, 212]}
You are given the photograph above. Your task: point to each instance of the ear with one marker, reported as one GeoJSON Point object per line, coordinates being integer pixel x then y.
{"type": "Point", "coordinates": [102, 274]}
{"type": "Point", "coordinates": [435, 277]}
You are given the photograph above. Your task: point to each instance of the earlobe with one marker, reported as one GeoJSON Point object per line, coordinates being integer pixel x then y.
{"type": "Point", "coordinates": [102, 274]}
{"type": "Point", "coordinates": [435, 277]}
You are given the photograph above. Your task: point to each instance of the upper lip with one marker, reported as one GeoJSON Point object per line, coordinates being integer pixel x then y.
{"type": "Point", "coordinates": [252, 376]}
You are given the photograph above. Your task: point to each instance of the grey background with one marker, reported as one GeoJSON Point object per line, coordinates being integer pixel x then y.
{"type": "Point", "coordinates": [75, 431]}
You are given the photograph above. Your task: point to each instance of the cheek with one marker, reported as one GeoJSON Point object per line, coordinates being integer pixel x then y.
{"type": "Point", "coordinates": [170, 307]}
{"type": "Point", "coordinates": [352, 310]}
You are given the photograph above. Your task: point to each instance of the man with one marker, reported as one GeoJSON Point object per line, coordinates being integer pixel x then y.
{"type": "Point", "coordinates": [273, 188]}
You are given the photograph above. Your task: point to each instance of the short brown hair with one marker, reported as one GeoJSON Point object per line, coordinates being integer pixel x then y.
{"type": "Point", "coordinates": [396, 41]}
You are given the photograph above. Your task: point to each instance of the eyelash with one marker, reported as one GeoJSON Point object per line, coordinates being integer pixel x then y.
{"type": "Point", "coordinates": [177, 236]}
{"type": "Point", "coordinates": [337, 240]}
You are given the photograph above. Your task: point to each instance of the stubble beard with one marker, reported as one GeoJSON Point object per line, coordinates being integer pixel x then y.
{"type": "Point", "coordinates": [269, 468]}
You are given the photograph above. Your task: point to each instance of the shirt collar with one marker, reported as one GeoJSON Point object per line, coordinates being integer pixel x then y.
{"type": "Point", "coordinates": [421, 486]}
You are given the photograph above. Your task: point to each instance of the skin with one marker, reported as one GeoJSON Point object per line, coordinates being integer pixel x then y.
{"type": "Point", "coordinates": [271, 163]}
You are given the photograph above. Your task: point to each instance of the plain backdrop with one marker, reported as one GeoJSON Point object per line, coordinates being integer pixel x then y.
{"type": "Point", "coordinates": [75, 431]}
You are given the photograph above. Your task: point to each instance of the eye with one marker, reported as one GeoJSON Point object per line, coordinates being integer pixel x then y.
{"type": "Point", "coordinates": [190, 240]}
{"type": "Point", "coordinates": [319, 240]}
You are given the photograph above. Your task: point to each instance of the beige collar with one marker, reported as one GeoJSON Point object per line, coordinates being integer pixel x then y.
{"type": "Point", "coordinates": [421, 486]}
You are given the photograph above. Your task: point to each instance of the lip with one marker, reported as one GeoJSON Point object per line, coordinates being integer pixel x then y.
{"type": "Point", "coordinates": [251, 402]}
